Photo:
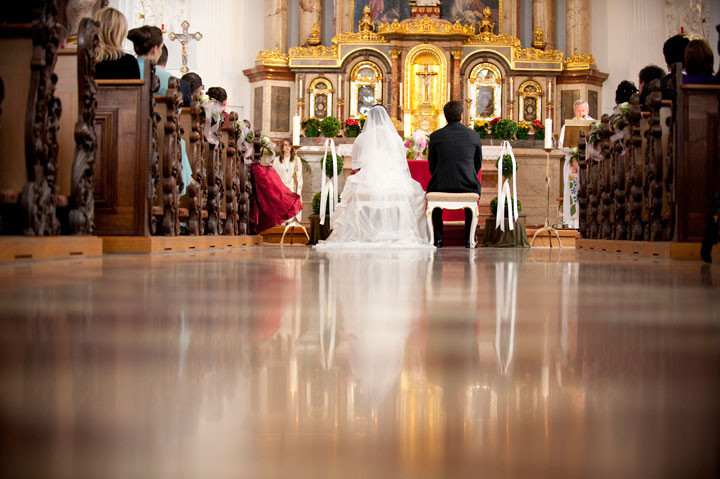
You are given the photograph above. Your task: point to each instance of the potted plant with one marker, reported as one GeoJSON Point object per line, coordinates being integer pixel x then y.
{"type": "Point", "coordinates": [539, 130]}
{"type": "Point", "coordinates": [311, 127]}
{"type": "Point", "coordinates": [329, 167]}
{"type": "Point", "coordinates": [352, 128]}
{"type": "Point", "coordinates": [506, 168]}
{"type": "Point", "coordinates": [494, 205]}
{"type": "Point", "coordinates": [481, 127]}
{"type": "Point", "coordinates": [330, 127]}
{"type": "Point", "coordinates": [505, 129]}
{"type": "Point", "coordinates": [492, 124]}
{"type": "Point", "coordinates": [523, 128]}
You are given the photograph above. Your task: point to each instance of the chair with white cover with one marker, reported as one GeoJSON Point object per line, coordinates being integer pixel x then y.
{"type": "Point", "coordinates": [453, 201]}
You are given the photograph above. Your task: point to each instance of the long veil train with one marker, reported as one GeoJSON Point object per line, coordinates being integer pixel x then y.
{"type": "Point", "coordinates": [381, 205]}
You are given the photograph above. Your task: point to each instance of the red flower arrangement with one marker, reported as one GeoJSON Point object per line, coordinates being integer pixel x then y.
{"type": "Point", "coordinates": [352, 127]}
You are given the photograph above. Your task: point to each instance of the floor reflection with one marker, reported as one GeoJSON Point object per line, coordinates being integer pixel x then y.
{"type": "Point", "coordinates": [270, 362]}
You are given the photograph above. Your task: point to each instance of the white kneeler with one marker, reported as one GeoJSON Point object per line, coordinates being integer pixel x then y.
{"type": "Point", "coordinates": [453, 201]}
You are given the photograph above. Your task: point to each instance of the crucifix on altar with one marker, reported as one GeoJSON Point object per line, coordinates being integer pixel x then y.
{"type": "Point", "coordinates": [426, 77]}
{"type": "Point", "coordinates": [184, 38]}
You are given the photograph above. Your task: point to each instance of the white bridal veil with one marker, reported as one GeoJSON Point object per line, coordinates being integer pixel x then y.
{"type": "Point", "coordinates": [381, 205]}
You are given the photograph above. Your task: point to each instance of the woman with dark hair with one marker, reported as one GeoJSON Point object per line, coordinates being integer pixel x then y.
{"type": "Point", "coordinates": [289, 168]}
{"type": "Point", "coordinates": [148, 43]}
{"type": "Point", "coordinates": [624, 91]}
{"type": "Point", "coordinates": [699, 61]}
{"type": "Point", "coordinates": [112, 61]}
{"type": "Point", "coordinates": [189, 84]}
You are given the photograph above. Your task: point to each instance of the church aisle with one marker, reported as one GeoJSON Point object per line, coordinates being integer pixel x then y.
{"type": "Point", "coordinates": [286, 362]}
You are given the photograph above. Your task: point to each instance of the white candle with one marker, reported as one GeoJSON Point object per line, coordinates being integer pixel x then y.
{"type": "Point", "coordinates": [301, 93]}
{"type": "Point", "coordinates": [511, 89]}
{"type": "Point", "coordinates": [548, 133]}
{"type": "Point", "coordinates": [407, 125]}
{"type": "Point", "coordinates": [400, 100]}
{"type": "Point", "coordinates": [448, 92]}
{"type": "Point", "coordinates": [340, 86]}
{"type": "Point", "coordinates": [549, 91]}
{"type": "Point", "coordinates": [296, 131]}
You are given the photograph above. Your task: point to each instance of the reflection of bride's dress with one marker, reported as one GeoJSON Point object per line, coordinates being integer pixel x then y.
{"type": "Point", "coordinates": [381, 205]}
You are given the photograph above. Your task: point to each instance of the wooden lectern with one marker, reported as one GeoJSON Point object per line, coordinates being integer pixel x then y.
{"type": "Point", "coordinates": [572, 131]}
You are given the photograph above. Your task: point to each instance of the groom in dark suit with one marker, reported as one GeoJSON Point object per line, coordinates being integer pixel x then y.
{"type": "Point", "coordinates": [455, 159]}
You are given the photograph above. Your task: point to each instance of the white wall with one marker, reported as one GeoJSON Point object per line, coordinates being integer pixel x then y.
{"type": "Point", "coordinates": [627, 35]}
{"type": "Point", "coordinates": [232, 36]}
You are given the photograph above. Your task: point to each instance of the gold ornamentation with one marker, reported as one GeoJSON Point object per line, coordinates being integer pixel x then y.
{"type": "Point", "coordinates": [366, 23]}
{"type": "Point", "coordinates": [271, 57]}
{"type": "Point", "coordinates": [539, 42]}
{"type": "Point", "coordinates": [360, 37]}
{"type": "Point", "coordinates": [533, 54]}
{"type": "Point", "coordinates": [486, 24]}
{"type": "Point", "coordinates": [579, 62]}
{"type": "Point", "coordinates": [492, 39]}
{"type": "Point", "coordinates": [314, 39]}
{"type": "Point", "coordinates": [426, 26]}
{"type": "Point", "coordinates": [395, 53]}
{"type": "Point", "coordinates": [319, 51]}
{"type": "Point", "coordinates": [457, 54]}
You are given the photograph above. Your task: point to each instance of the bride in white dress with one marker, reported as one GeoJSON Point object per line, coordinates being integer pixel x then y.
{"type": "Point", "coordinates": [381, 205]}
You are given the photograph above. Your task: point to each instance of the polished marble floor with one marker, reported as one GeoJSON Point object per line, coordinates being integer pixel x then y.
{"type": "Point", "coordinates": [283, 362]}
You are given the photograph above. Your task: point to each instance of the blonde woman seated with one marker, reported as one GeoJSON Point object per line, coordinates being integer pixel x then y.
{"type": "Point", "coordinates": [289, 167]}
{"type": "Point", "coordinates": [381, 205]}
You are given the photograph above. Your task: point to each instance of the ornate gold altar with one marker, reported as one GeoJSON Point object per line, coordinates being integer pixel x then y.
{"type": "Point", "coordinates": [415, 66]}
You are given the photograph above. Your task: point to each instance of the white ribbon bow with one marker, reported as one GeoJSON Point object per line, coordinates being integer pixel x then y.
{"type": "Point", "coordinates": [504, 192]}
{"type": "Point", "coordinates": [213, 111]}
{"type": "Point", "coordinates": [329, 187]}
{"type": "Point", "coordinates": [247, 145]}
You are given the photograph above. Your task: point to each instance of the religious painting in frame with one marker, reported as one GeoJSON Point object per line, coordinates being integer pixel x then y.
{"type": "Point", "coordinates": [465, 11]}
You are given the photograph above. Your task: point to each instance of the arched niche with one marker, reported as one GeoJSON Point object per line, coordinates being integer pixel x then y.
{"type": "Point", "coordinates": [321, 98]}
{"type": "Point", "coordinates": [530, 104]}
{"type": "Point", "coordinates": [366, 87]}
{"type": "Point", "coordinates": [484, 89]}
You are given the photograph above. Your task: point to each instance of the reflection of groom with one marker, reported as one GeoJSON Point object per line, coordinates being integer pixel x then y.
{"type": "Point", "coordinates": [455, 160]}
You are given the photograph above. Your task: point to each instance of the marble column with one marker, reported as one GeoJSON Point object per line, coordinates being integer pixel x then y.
{"type": "Point", "coordinates": [543, 14]}
{"type": "Point", "coordinates": [341, 19]}
{"type": "Point", "coordinates": [577, 27]}
{"type": "Point", "coordinates": [456, 80]}
{"type": "Point", "coordinates": [510, 18]}
{"type": "Point", "coordinates": [309, 14]}
{"type": "Point", "coordinates": [276, 25]}
{"type": "Point", "coordinates": [395, 79]}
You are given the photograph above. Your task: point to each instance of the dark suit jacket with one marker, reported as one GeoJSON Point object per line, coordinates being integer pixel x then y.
{"type": "Point", "coordinates": [455, 159]}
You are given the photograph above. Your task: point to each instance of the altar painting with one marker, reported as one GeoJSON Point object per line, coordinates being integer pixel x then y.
{"type": "Point", "coordinates": [464, 11]}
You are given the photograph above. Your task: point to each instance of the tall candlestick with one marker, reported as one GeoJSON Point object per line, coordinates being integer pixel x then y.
{"type": "Point", "coordinates": [548, 133]}
{"type": "Point", "coordinates": [296, 131]}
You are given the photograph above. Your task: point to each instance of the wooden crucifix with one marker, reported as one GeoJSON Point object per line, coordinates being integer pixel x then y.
{"type": "Point", "coordinates": [184, 38]}
{"type": "Point", "coordinates": [426, 76]}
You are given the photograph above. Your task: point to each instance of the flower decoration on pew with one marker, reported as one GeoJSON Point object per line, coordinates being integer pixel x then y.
{"type": "Point", "coordinates": [268, 147]}
{"type": "Point", "coordinates": [594, 136]}
{"type": "Point", "coordinates": [481, 127]}
{"type": "Point", "coordinates": [539, 129]}
{"type": "Point", "coordinates": [523, 128]}
{"type": "Point", "coordinates": [620, 114]}
{"type": "Point", "coordinates": [205, 98]}
{"type": "Point", "coordinates": [352, 128]}
{"type": "Point", "coordinates": [416, 146]}
{"type": "Point", "coordinates": [574, 156]}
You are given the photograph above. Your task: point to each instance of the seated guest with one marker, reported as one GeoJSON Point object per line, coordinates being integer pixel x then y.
{"type": "Point", "coordinates": [219, 94]}
{"type": "Point", "coordinates": [189, 84]}
{"type": "Point", "coordinates": [112, 61]}
{"type": "Point", "coordinates": [289, 168]}
{"type": "Point", "coordinates": [580, 110]}
{"type": "Point", "coordinates": [624, 91]}
{"type": "Point", "coordinates": [162, 61]}
{"type": "Point", "coordinates": [647, 75]}
{"type": "Point", "coordinates": [148, 43]}
{"type": "Point", "coordinates": [674, 52]}
{"type": "Point", "coordinates": [699, 61]}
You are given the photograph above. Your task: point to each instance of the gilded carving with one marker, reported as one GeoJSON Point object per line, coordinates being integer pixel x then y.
{"type": "Point", "coordinates": [579, 62]}
{"type": "Point", "coordinates": [539, 41]}
{"type": "Point", "coordinates": [360, 37]}
{"type": "Point", "coordinates": [426, 26]}
{"type": "Point", "coordinates": [488, 38]}
{"type": "Point", "coordinates": [486, 24]}
{"type": "Point", "coordinates": [534, 54]}
{"type": "Point", "coordinates": [319, 51]}
{"type": "Point", "coordinates": [272, 57]}
{"type": "Point", "coordinates": [395, 53]}
{"type": "Point", "coordinates": [366, 23]}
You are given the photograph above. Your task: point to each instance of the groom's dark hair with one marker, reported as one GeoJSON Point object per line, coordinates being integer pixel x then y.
{"type": "Point", "coordinates": [453, 110]}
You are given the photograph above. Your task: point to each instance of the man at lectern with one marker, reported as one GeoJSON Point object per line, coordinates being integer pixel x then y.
{"type": "Point", "coordinates": [581, 110]}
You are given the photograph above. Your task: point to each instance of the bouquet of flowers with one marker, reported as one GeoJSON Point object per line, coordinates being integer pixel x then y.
{"type": "Point", "coordinates": [523, 128]}
{"type": "Point", "coordinates": [212, 114]}
{"type": "Point", "coordinates": [417, 145]}
{"type": "Point", "coordinates": [352, 128]}
{"type": "Point", "coordinates": [539, 129]}
{"type": "Point", "coordinates": [245, 137]}
{"type": "Point", "coordinates": [268, 147]}
{"type": "Point", "coordinates": [594, 136]}
{"type": "Point", "coordinates": [361, 119]}
{"type": "Point", "coordinates": [622, 112]}
{"type": "Point", "coordinates": [481, 127]}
